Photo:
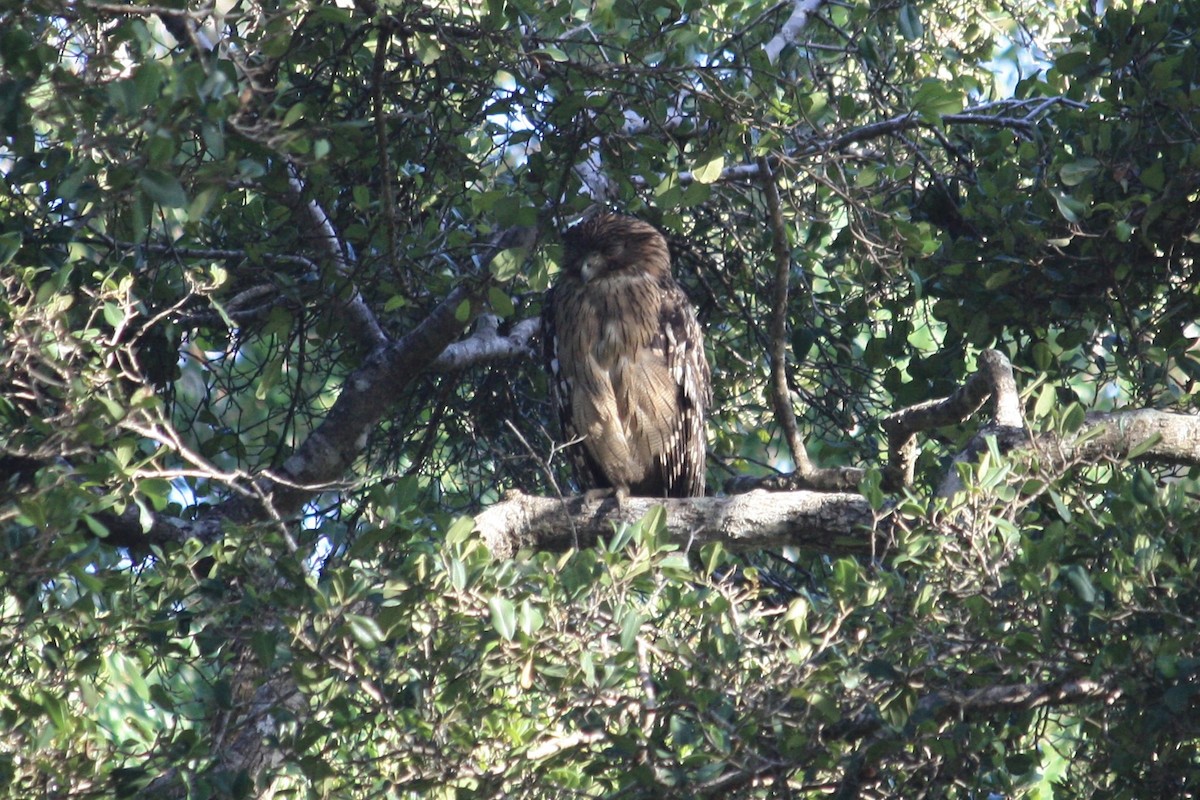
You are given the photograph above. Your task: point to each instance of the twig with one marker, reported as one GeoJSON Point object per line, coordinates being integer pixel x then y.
{"type": "Point", "coordinates": [544, 464]}
{"type": "Point", "coordinates": [378, 71]}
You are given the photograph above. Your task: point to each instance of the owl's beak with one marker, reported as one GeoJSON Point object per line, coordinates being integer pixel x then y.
{"type": "Point", "coordinates": [591, 267]}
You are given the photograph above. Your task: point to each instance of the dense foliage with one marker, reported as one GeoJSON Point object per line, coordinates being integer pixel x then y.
{"type": "Point", "coordinates": [220, 223]}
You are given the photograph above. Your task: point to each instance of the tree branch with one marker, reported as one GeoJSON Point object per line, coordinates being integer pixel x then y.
{"type": "Point", "coordinates": [487, 346]}
{"type": "Point", "coordinates": [993, 379]}
{"type": "Point", "coordinates": [832, 523]}
{"type": "Point", "coordinates": [949, 704]}
{"type": "Point", "coordinates": [363, 325]}
{"type": "Point", "coordinates": [780, 392]}
{"type": "Point", "coordinates": [331, 448]}
{"type": "Point", "coordinates": [839, 522]}
{"type": "Point", "coordinates": [797, 22]}
{"type": "Point", "coordinates": [814, 145]}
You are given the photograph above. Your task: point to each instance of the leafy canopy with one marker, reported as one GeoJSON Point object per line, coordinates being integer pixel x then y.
{"type": "Point", "coordinates": [213, 217]}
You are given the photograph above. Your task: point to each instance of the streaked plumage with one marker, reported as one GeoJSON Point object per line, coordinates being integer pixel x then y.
{"type": "Point", "coordinates": [626, 362]}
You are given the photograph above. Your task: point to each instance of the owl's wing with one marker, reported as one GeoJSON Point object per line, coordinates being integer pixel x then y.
{"type": "Point", "coordinates": [685, 448]}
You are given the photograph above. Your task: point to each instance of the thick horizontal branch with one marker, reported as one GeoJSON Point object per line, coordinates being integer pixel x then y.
{"type": "Point", "coordinates": [947, 704]}
{"type": "Point", "coordinates": [830, 523]}
{"type": "Point", "coordinates": [1162, 436]}
{"type": "Point", "coordinates": [835, 523]}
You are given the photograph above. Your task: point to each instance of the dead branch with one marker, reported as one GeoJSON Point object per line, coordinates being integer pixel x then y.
{"type": "Point", "coordinates": [993, 379]}
{"type": "Point", "coordinates": [359, 317]}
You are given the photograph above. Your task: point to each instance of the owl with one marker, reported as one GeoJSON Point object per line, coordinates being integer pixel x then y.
{"type": "Point", "coordinates": [626, 362]}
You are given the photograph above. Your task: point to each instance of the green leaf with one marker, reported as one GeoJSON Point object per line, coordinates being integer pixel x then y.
{"type": "Point", "coordinates": [1179, 698]}
{"type": "Point", "coordinates": [1144, 446]}
{"type": "Point", "coordinates": [504, 616]}
{"type": "Point", "coordinates": [460, 531]}
{"type": "Point", "coordinates": [1071, 208]}
{"type": "Point", "coordinates": [622, 535]}
{"type": "Point", "coordinates": [458, 574]}
{"type": "Point", "coordinates": [365, 630]}
{"type": "Point", "coordinates": [114, 314]}
{"type": "Point", "coordinates": [1077, 172]}
{"type": "Point", "coordinates": [163, 188]}
{"type": "Point", "coordinates": [531, 618]}
{"type": "Point", "coordinates": [631, 625]}
{"type": "Point", "coordinates": [293, 115]}
{"type": "Point", "coordinates": [1073, 418]}
{"type": "Point", "coordinates": [1043, 356]}
{"type": "Point", "coordinates": [1046, 401]}
{"type": "Point", "coordinates": [1060, 506]}
{"type": "Point", "coordinates": [10, 245]}
{"type": "Point", "coordinates": [910, 23]}
{"type": "Point", "coordinates": [95, 526]}
{"type": "Point", "coordinates": [507, 263]}
{"type": "Point", "coordinates": [500, 302]}
{"type": "Point", "coordinates": [553, 53]}
{"type": "Point", "coordinates": [654, 523]}
{"type": "Point", "coordinates": [56, 709]}
{"type": "Point", "coordinates": [933, 99]}
{"type": "Point", "coordinates": [709, 171]}
{"type": "Point", "coordinates": [1154, 176]}
{"type": "Point", "coordinates": [1145, 488]}
{"type": "Point", "coordinates": [713, 556]}
{"type": "Point", "coordinates": [1081, 583]}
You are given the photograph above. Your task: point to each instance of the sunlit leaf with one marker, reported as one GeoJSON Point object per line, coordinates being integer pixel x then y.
{"type": "Point", "coordinates": [709, 171]}
{"type": "Point", "coordinates": [504, 616]}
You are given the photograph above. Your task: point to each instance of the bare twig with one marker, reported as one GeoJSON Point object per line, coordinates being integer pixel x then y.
{"type": "Point", "coordinates": [378, 73]}
{"type": "Point", "coordinates": [544, 465]}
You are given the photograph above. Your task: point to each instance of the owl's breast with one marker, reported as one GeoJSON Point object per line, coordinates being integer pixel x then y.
{"type": "Point", "coordinates": [626, 314]}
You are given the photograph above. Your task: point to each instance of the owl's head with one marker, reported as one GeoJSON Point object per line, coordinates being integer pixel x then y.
{"type": "Point", "coordinates": [611, 245]}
